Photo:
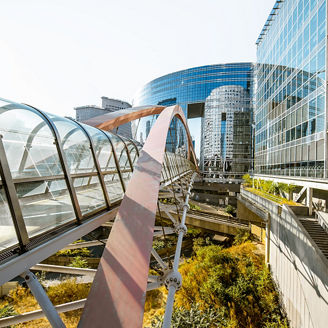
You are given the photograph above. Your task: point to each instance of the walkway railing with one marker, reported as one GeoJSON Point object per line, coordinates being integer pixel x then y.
{"type": "Point", "coordinates": [60, 179]}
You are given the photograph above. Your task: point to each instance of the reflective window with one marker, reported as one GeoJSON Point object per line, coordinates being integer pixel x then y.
{"type": "Point", "coordinates": [29, 143]}
{"type": "Point", "coordinates": [45, 205]}
{"type": "Point", "coordinates": [7, 231]}
{"type": "Point", "coordinates": [291, 56]}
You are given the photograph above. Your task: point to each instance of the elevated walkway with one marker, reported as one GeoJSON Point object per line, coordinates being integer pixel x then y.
{"type": "Point", "coordinates": [61, 179]}
{"type": "Point", "coordinates": [296, 251]}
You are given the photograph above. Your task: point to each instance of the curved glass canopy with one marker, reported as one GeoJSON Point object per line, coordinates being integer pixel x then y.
{"type": "Point", "coordinates": [55, 171]}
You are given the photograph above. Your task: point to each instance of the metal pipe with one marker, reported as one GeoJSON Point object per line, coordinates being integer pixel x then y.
{"type": "Point", "coordinates": [38, 314]}
{"type": "Point", "coordinates": [174, 221]}
{"type": "Point", "coordinates": [169, 307]}
{"type": "Point", "coordinates": [181, 231]}
{"type": "Point", "coordinates": [158, 259]}
{"type": "Point", "coordinates": [152, 278]}
{"type": "Point", "coordinates": [64, 269]}
{"type": "Point", "coordinates": [174, 279]}
{"type": "Point", "coordinates": [43, 300]}
{"type": "Point", "coordinates": [153, 285]}
{"type": "Point", "coordinates": [85, 244]}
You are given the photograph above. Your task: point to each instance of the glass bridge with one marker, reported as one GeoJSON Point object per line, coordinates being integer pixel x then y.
{"type": "Point", "coordinates": [57, 173]}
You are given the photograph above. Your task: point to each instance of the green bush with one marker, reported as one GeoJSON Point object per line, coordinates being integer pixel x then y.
{"type": "Point", "coordinates": [7, 311]}
{"type": "Point", "coordinates": [194, 207]}
{"type": "Point", "coordinates": [79, 262]}
{"type": "Point", "coordinates": [83, 251]}
{"type": "Point", "coordinates": [230, 209]}
{"type": "Point", "coordinates": [193, 318]}
{"type": "Point", "coordinates": [234, 280]}
{"type": "Point", "coordinates": [248, 181]}
{"type": "Point", "coordinates": [242, 236]}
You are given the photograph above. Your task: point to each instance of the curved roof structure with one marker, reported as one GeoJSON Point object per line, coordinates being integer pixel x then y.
{"type": "Point", "coordinates": [60, 179]}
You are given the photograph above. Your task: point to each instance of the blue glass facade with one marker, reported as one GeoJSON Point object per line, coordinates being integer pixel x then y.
{"type": "Point", "coordinates": [290, 111]}
{"type": "Point", "coordinates": [194, 86]}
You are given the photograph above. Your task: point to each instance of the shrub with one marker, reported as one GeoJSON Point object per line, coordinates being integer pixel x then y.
{"type": "Point", "coordinates": [248, 181]}
{"type": "Point", "coordinates": [195, 317]}
{"type": "Point", "coordinates": [159, 244]}
{"type": "Point", "coordinates": [79, 262]}
{"type": "Point", "coordinates": [7, 311]}
{"type": "Point", "coordinates": [234, 280]}
{"type": "Point", "coordinates": [68, 291]}
{"type": "Point", "coordinates": [194, 207]}
{"type": "Point", "coordinates": [242, 236]}
{"type": "Point", "coordinates": [230, 209]}
{"type": "Point", "coordinates": [75, 252]}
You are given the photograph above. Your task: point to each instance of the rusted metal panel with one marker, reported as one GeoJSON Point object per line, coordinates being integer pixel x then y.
{"type": "Point", "coordinates": [118, 293]}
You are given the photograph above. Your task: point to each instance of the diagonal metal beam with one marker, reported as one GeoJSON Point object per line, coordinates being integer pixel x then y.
{"type": "Point", "coordinates": [121, 279]}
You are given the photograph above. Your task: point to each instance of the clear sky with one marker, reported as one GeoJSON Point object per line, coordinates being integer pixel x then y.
{"type": "Point", "coordinates": [59, 54]}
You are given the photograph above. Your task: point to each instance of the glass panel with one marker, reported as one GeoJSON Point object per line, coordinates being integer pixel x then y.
{"type": "Point", "coordinates": [29, 143]}
{"type": "Point", "coordinates": [120, 152]}
{"type": "Point", "coordinates": [7, 231]}
{"type": "Point", "coordinates": [126, 178]}
{"type": "Point", "coordinates": [132, 151]}
{"type": "Point", "coordinates": [75, 144]}
{"type": "Point", "coordinates": [114, 187]}
{"type": "Point", "coordinates": [89, 193]}
{"type": "Point", "coordinates": [103, 148]}
{"type": "Point", "coordinates": [45, 205]}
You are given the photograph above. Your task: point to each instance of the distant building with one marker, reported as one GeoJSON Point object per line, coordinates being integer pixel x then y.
{"type": "Point", "coordinates": [290, 112]}
{"type": "Point", "coordinates": [83, 113]}
{"type": "Point", "coordinates": [221, 97]}
{"type": "Point", "coordinates": [227, 131]}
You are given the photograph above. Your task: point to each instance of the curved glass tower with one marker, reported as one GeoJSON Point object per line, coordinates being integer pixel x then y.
{"type": "Point", "coordinates": [218, 102]}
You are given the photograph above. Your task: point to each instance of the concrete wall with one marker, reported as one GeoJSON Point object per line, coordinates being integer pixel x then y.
{"type": "Point", "coordinates": [300, 272]}
{"type": "Point", "coordinates": [212, 225]}
{"type": "Point", "coordinates": [219, 200]}
{"type": "Point", "coordinates": [219, 187]}
{"type": "Point", "coordinates": [221, 194]}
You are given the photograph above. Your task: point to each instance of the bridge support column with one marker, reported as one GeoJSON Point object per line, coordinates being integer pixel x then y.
{"type": "Point", "coordinates": [309, 195]}
{"type": "Point", "coordinates": [43, 300]}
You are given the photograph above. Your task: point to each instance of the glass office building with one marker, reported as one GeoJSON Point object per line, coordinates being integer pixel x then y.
{"type": "Point", "coordinates": [290, 111]}
{"type": "Point", "coordinates": [212, 93]}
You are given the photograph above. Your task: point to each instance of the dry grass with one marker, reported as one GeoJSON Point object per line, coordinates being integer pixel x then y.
{"type": "Point", "coordinates": [154, 305]}
{"type": "Point", "coordinates": [67, 291]}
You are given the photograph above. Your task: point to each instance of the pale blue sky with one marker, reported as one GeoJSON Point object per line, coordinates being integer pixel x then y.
{"type": "Point", "coordinates": [64, 53]}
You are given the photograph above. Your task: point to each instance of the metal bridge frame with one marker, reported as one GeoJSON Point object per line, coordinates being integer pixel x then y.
{"type": "Point", "coordinates": [24, 241]}
{"type": "Point", "coordinates": [135, 219]}
{"type": "Point", "coordinates": [121, 279]}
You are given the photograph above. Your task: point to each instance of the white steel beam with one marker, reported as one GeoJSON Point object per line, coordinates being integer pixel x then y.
{"type": "Point", "coordinates": [64, 269]}
{"type": "Point", "coordinates": [43, 300]}
{"type": "Point", "coordinates": [33, 315]}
